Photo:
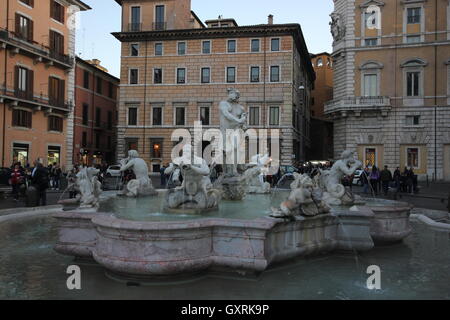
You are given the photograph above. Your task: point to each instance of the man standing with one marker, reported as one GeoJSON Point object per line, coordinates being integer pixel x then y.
{"type": "Point", "coordinates": [39, 180]}
{"type": "Point", "coordinates": [386, 178]}
{"type": "Point", "coordinates": [365, 179]}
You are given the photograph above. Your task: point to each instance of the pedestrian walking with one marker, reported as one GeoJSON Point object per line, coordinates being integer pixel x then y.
{"type": "Point", "coordinates": [374, 178]}
{"type": "Point", "coordinates": [386, 178]}
{"type": "Point", "coordinates": [17, 178]}
{"type": "Point", "coordinates": [365, 179]}
{"type": "Point", "coordinates": [397, 178]}
{"type": "Point", "coordinates": [40, 181]}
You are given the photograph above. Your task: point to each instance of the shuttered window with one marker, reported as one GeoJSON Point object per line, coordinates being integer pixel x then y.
{"type": "Point", "coordinates": [55, 123]}
{"type": "Point", "coordinates": [21, 118]}
{"type": "Point", "coordinates": [57, 11]}
{"type": "Point", "coordinates": [56, 91]}
{"type": "Point", "coordinates": [24, 27]}
{"type": "Point", "coordinates": [56, 42]}
{"type": "Point", "coordinates": [24, 83]}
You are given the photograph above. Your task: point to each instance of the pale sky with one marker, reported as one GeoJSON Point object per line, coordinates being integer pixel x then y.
{"type": "Point", "coordinates": [94, 39]}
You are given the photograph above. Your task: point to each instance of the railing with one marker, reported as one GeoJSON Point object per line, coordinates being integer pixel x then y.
{"type": "Point", "coordinates": [158, 26]}
{"type": "Point", "coordinates": [34, 47]}
{"type": "Point", "coordinates": [357, 103]}
{"type": "Point", "coordinates": [134, 27]}
{"type": "Point", "coordinates": [31, 98]}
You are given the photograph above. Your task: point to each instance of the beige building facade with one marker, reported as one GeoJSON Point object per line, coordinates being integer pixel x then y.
{"type": "Point", "coordinates": [175, 72]}
{"type": "Point", "coordinates": [391, 99]}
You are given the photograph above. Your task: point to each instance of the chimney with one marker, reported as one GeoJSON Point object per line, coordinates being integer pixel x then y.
{"type": "Point", "coordinates": [270, 20]}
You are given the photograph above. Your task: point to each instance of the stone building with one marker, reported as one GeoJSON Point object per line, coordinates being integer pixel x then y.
{"type": "Point", "coordinates": [176, 71]}
{"type": "Point", "coordinates": [95, 134]}
{"type": "Point", "coordinates": [37, 46]}
{"type": "Point", "coordinates": [392, 83]}
{"type": "Point", "coordinates": [321, 127]}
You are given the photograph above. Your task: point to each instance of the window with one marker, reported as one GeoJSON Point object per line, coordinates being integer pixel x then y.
{"type": "Point", "coordinates": [98, 116]}
{"type": "Point", "coordinates": [158, 49]}
{"type": "Point", "coordinates": [412, 120]}
{"type": "Point", "coordinates": [53, 154]}
{"type": "Point", "coordinates": [412, 155]}
{"type": "Point", "coordinates": [56, 91]}
{"type": "Point", "coordinates": [231, 74]}
{"type": "Point", "coordinates": [157, 116]}
{"type": "Point", "coordinates": [180, 116]}
{"type": "Point", "coordinates": [319, 62]}
{"type": "Point", "coordinates": [55, 124]}
{"type": "Point", "coordinates": [156, 148]}
{"type": "Point", "coordinates": [181, 75]}
{"type": "Point", "coordinates": [97, 140]}
{"type": "Point", "coordinates": [159, 18]}
{"type": "Point", "coordinates": [28, 2]}
{"type": "Point", "coordinates": [204, 116]}
{"type": "Point", "coordinates": [110, 90]}
{"type": "Point", "coordinates": [181, 48]}
{"type": "Point", "coordinates": [56, 42]}
{"type": "Point", "coordinates": [20, 153]}
{"type": "Point", "coordinates": [21, 118]}
{"type": "Point", "coordinates": [134, 76]}
{"type": "Point", "coordinates": [56, 11]}
{"type": "Point", "coordinates": [413, 15]}
{"type": "Point", "coordinates": [157, 75]}
{"type": "Point", "coordinates": [412, 84]}
{"type": "Point", "coordinates": [274, 116]}
{"type": "Point", "coordinates": [370, 85]}
{"type": "Point", "coordinates": [132, 116]}
{"type": "Point", "coordinates": [231, 46]}
{"type": "Point", "coordinates": [135, 19]}
{"type": "Point", "coordinates": [86, 79]}
{"type": "Point", "coordinates": [134, 50]}
{"type": "Point", "coordinates": [206, 75]}
{"type": "Point", "coordinates": [371, 42]}
{"type": "Point", "coordinates": [99, 85]}
{"type": "Point", "coordinates": [274, 74]}
{"type": "Point", "coordinates": [84, 140]}
{"type": "Point", "coordinates": [255, 45]}
{"type": "Point", "coordinates": [253, 119]}
{"type": "Point", "coordinates": [22, 81]}
{"type": "Point", "coordinates": [275, 44]}
{"type": "Point", "coordinates": [110, 120]}
{"type": "Point", "coordinates": [412, 39]}
{"type": "Point", "coordinates": [254, 74]}
{"type": "Point", "coordinates": [24, 27]}
{"type": "Point", "coordinates": [370, 157]}
{"type": "Point", "coordinates": [206, 47]}
{"type": "Point", "coordinates": [85, 114]}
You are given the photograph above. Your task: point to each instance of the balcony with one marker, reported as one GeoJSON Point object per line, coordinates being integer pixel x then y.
{"type": "Point", "coordinates": [357, 105]}
{"type": "Point", "coordinates": [159, 26]}
{"type": "Point", "coordinates": [137, 27]}
{"type": "Point", "coordinates": [103, 126]}
{"type": "Point", "coordinates": [34, 101]}
{"type": "Point", "coordinates": [40, 52]}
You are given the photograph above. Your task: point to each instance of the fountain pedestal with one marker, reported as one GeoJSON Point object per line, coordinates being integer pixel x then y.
{"type": "Point", "coordinates": [234, 188]}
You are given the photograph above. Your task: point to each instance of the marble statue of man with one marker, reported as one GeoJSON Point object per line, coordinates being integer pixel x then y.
{"type": "Point", "coordinates": [232, 117]}
{"type": "Point", "coordinates": [334, 190]}
{"type": "Point", "coordinates": [142, 185]}
{"type": "Point", "coordinates": [196, 190]}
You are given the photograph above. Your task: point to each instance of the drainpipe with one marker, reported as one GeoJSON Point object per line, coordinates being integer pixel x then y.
{"type": "Point", "coordinates": [5, 83]}
{"type": "Point", "coordinates": [435, 88]}
{"type": "Point", "coordinates": [145, 97]}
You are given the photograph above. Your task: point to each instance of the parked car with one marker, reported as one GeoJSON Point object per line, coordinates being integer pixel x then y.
{"type": "Point", "coordinates": [357, 177]}
{"type": "Point", "coordinates": [113, 171]}
{"type": "Point", "coordinates": [5, 175]}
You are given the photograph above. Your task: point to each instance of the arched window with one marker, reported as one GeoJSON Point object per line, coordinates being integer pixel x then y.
{"type": "Point", "coordinates": [319, 62]}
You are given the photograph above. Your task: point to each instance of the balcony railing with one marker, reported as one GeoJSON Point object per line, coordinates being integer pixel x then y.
{"type": "Point", "coordinates": [34, 48]}
{"type": "Point", "coordinates": [33, 100]}
{"type": "Point", "coordinates": [158, 26]}
{"type": "Point", "coordinates": [134, 27]}
{"type": "Point", "coordinates": [357, 104]}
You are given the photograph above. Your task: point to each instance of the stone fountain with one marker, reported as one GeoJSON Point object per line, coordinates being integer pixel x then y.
{"type": "Point", "coordinates": [255, 174]}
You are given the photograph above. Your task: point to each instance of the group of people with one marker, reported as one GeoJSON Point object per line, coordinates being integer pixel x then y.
{"type": "Point", "coordinates": [378, 181]}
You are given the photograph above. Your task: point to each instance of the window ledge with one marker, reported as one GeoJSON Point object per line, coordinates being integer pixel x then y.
{"type": "Point", "coordinates": [414, 127]}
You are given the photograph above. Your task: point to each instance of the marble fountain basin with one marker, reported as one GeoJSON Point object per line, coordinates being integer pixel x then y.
{"type": "Point", "coordinates": [145, 248]}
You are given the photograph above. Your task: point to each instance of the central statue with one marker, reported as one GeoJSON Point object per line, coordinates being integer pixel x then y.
{"type": "Point", "coordinates": [232, 119]}
{"type": "Point", "coordinates": [232, 123]}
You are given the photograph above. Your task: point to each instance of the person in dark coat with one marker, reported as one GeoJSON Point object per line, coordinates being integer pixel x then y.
{"type": "Point", "coordinates": [40, 181]}
{"type": "Point", "coordinates": [386, 178]}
